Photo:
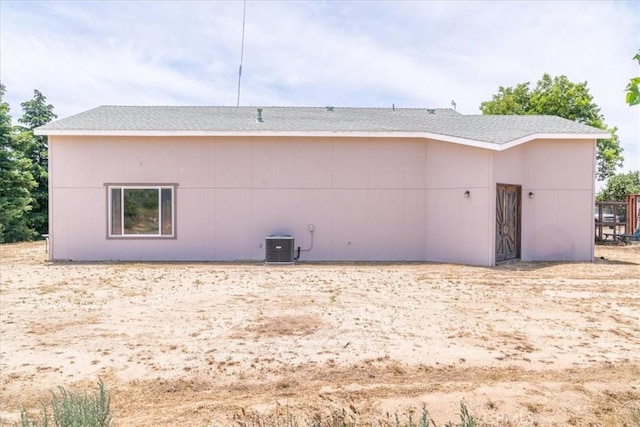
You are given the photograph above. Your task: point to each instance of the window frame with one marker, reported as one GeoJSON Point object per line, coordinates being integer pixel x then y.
{"type": "Point", "coordinates": [146, 186]}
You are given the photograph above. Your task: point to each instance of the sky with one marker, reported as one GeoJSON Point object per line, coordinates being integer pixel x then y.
{"type": "Point", "coordinates": [317, 53]}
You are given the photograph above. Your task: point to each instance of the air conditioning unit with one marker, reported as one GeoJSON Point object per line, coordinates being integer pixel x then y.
{"type": "Point", "coordinates": [279, 250]}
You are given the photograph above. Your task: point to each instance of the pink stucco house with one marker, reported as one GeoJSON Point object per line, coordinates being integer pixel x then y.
{"type": "Point", "coordinates": [348, 184]}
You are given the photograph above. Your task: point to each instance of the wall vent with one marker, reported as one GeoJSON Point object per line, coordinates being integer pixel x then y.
{"type": "Point", "coordinates": [279, 250]}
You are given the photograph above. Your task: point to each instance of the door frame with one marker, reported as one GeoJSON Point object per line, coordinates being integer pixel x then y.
{"type": "Point", "coordinates": [518, 218]}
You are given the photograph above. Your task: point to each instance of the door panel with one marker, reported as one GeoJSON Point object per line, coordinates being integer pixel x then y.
{"type": "Point", "coordinates": [507, 222]}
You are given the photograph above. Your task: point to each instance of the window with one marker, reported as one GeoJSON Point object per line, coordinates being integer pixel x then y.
{"type": "Point", "coordinates": [141, 211]}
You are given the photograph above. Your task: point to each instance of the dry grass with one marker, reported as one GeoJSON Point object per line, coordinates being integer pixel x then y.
{"type": "Point", "coordinates": [284, 326]}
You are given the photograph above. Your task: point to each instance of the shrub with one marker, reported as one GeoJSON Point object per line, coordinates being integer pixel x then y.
{"type": "Point", "coordinates": [74, 410]}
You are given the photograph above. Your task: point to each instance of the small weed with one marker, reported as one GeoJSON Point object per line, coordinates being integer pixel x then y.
{"type": "Point", "coordinates": [534, 408]}
{"type": "Point", "coordinates": [74, 410]}
{"type": "Point", "coordinates": [491, 404]}
{"type": "Point", "coordinates": [283, 385]}
{"type": "Point", "coordinates": [466, 419]}
{"type": "Point", "coordinates": [423, 421]}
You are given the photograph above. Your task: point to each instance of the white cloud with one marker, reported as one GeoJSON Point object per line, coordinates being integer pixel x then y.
{"type": "Point", "coordinates": [317, 53]}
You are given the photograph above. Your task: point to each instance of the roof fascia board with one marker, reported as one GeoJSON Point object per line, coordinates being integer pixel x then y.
{"type": "Point", "coordinates": [518, 141]}
{"type": "Point", "coordinates": [355, 134]}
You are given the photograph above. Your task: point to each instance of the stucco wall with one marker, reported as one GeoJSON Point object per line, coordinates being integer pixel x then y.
{"type": "Point", "coordinates": [383, 199]}
{"type": "Point", "coordinates": [557, 223]}
{"type": "Point", "coordinates": [459, 229]}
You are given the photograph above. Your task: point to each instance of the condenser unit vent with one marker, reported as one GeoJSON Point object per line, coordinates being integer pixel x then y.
{"type": "Point", "coordinates": [279, 250]}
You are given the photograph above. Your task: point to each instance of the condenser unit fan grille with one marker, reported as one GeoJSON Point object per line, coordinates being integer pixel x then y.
{"type": "Point", "coordinates": [279, 250]}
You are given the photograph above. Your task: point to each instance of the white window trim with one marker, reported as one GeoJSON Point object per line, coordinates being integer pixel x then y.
{"type": "Point", "coordinates": [159, 188]}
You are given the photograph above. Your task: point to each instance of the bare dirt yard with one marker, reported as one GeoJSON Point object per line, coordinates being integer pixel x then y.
{"type": "Point", "coordinates": [522, 344]}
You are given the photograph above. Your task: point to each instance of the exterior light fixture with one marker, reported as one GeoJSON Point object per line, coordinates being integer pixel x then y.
{"type": "Point", "coordinates": [531, 195]}
{"type": "Point", "coordinates": [467, 194]}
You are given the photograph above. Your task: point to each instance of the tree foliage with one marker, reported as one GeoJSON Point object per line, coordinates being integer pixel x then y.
{"type": "Point", "coordinates": [24, 185]}
{"type": "Point", "coordinates": [16, 183]}
{"type": "Point", "coordinates": [633, 88]}
{"type": "Point", "coordinates": [36, 112]}
{"type": "Point", "coordinates": [620, 186]}
{"type": "Point", "coordinates": [559, 96]}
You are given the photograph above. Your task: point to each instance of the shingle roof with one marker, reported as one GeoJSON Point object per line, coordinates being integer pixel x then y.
{"type": "Point", "coordinates": [168, 120]}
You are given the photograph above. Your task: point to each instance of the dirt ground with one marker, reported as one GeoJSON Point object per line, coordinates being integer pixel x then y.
{"type": "Point", "coordinates": [522, 344]}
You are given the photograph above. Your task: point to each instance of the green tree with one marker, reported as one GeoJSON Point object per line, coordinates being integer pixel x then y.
{"type": "Point", "coordinates": [16, 182]}
{"type": "Point", "coordinates": [633, 88]}
{"type": "Point", "coordinates": [560, 97]}
{"type": "Point", "coordinates": [36, 112]}
{"type": "Point", "coordinates": [620, 186]}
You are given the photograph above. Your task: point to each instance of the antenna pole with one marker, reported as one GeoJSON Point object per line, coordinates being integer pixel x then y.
{"type": "Point", "coordinates": [244, 13]}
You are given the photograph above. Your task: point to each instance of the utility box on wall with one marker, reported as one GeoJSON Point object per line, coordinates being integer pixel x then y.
{"type": "Point", "coordinates": [279, 250]}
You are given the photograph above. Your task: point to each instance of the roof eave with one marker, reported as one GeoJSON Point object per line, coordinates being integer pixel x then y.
{"type": "Point", "coordinates": [496, 146]}
{"type": "Point", "coordinates": [527, 138]}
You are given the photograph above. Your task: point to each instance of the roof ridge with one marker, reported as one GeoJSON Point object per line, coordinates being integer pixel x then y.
{"type": "Point", "coordinates": [272, 106]}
